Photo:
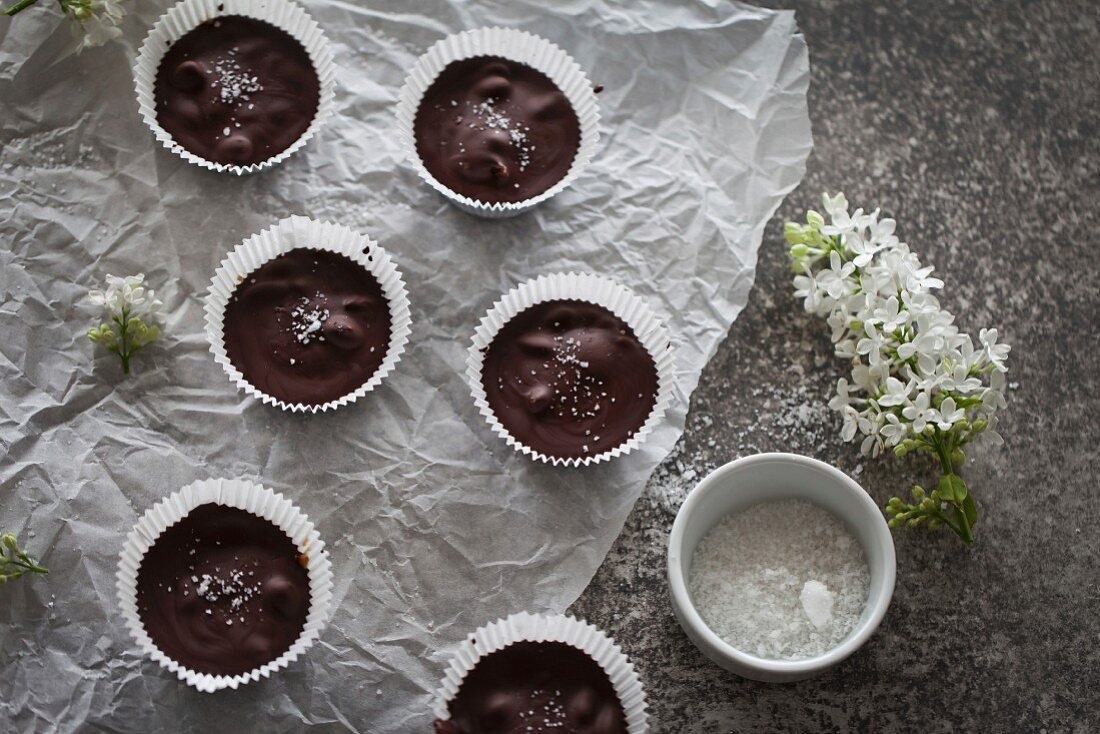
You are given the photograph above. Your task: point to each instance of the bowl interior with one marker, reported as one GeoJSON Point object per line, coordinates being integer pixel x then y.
{"type": "Point", "coordinates": [739, 485]}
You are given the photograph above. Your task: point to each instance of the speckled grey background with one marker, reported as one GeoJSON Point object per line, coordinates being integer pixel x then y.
{"type": "Point", "coordinates": [974, 124]}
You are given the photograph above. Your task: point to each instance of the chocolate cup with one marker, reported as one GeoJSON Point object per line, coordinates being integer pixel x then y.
{"type": "Point", "coordinates": [259, 501]}
{"type": "Point", "coordinates": [295, 233]}
{"type": "Point", "coordinates": [187, 15]}
{"type": "Point", "coordinates": [619, 300]}
{"type": "Point", "coordinates": [526, 627]}
{"type": "Point", "coordinates": [518, 46]}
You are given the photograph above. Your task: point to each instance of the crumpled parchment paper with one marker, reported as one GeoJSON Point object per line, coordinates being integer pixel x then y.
{"type": "Point", "coordinates": [434, 525]}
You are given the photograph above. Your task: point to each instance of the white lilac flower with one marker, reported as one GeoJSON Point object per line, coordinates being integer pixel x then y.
{"type": "Point", "coordinates": [906, 350]}
{"type": "Point", "coordinates": [996, 353]}
{"type": "Point", "coordinates": [890, 315]}
{"type": "Point", "coordinates": [836, 207]}
{"type": "Point", "coordinates": [916, 382]}
{"type": "Point", "coordinates": [130, 315]}
{"type": "Point", "coordinates": [126, 295]}
{"type": "Point", "coordinates": [95, 31]}
{"type": "Point", "coordinates": [852, 420]}
{"type": "Point", "coordinates": [896, 392]}
{"type": "Point", "coordinates": [894, 430]}
{"type": "Point", "coordinates": [920, 412]}
{"type": "Point", "coordinates": [807, 289]}
{"type": "Point", "coordinates": [948, 414]}
{"type": "Point", "coordinates": [94, 22]}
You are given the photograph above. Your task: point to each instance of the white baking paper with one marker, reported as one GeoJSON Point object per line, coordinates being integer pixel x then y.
{"type": "Point", "coordinates": [435, 526]}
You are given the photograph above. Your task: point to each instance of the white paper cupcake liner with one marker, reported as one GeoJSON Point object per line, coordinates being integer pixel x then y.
{"type": "Point", "coordinates": [518, 46]}
{"type": "Point", "coordinates": [601, 291]}
{"type": "Point", "coordinates": [184, 17]}
{"type": "Point", "coordinates": [288, 234]}
{"type": "Point", "coordinates": [526, 627]}
{"type": "Point", "coordinates": [259, 501]}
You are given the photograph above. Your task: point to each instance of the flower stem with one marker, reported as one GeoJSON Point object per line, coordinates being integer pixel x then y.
{"type": "Point", "coordinates": [961, 526]}
{"type": "Point", "coordinates": [21, 5]}
{"type": "Point", "coordinates": [124, 339]}
{"type": "Point", "coordinates": [28, 565]}
{"type": "Point", "coordinates": [942, 454]}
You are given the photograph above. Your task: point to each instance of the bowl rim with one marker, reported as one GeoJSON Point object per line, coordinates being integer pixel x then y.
{"type": "Point", "coordinates": [688, 615]}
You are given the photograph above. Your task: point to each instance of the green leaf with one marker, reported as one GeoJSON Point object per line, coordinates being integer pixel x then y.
{"type": "Point", "coordinates": [970, 510]}
{"type": "Point", "coordinates": [963, 530]}
{"type": "Point", "coordinates": [952, 488]}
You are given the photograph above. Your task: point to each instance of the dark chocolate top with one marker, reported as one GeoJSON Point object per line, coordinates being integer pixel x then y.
{"type": "Point", "coordinates": [569, 379]}
{"type": "Point", "coordinates": [223, 591]}
{"type": "Point", "coordinates": [535, 687]}
{"type": "Point", "coordinates": [236, 90]}
{"type": "Point", "coordinates": [496, 130]}
{"type": "Point", "coordinates": [308, 327]}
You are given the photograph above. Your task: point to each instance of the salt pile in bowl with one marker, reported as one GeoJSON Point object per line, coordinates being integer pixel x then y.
{"type": "Point", "coordinates": [780, 580]}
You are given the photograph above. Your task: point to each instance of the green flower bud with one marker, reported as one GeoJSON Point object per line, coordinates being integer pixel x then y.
{"type": "Point", "coordinates": [800, 250]}
{"type": "Point", "coordinates": [102, 334]}
{"type": "Point", "coordinates": [918, 492]}
{"type": "Point", "coordinates": [934, 523]}
{"type": "Point", "coordinates": [814, 219]}
{"type": "Point", "coordinates": [979, 425]}
{"type": "Point", "coordinates": [893, 522]}
{"type": "Point", "coordinates": [958, 458]}
{"type": "Point", "coordinates": [794, 233]}
{"type": "Point", "coordinates": [914, 522]}
{"type": "Point", "coordinates": [10, 541]}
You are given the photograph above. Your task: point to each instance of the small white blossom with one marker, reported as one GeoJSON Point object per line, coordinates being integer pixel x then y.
{"type": "Point", "coordinates": [919, 413]}
{"type": "Point", "coordinates": [97, 21]}
{"type": "Point", "coordinates": [126, 296]}
{"type": "Point", "coordinates": [94, 22]}
{"type": "Point", "coordinates": [894, 431]}
{"type": "Point", "coordinates": [896, 393]}
{"type": "Point", "coordinates": [842, 399]}
{"type": "Point", "coordinates": [948, 414]}
{"type": "Point", "coordinates": [994, 352]}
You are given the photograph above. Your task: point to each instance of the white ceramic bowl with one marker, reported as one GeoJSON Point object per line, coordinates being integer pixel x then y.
{"type": "Point", "coordinates": [754, 479]}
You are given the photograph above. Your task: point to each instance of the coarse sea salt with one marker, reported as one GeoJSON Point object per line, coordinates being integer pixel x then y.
{"type": "Point", "coordinates": [781, 580]}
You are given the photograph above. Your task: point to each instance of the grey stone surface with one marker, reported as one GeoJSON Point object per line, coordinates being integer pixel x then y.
{"type": "Point", "coordinates": [974, 124]}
